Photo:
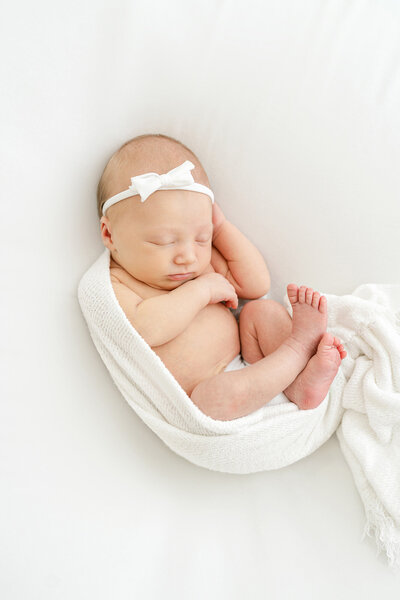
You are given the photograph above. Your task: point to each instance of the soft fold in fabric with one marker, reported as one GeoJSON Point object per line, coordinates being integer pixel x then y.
{"type": "Point", "coordinates": [362, 406]}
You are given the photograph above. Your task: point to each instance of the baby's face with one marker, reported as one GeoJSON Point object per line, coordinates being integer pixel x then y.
{"type": "Point", "coordinates": [169, 233]}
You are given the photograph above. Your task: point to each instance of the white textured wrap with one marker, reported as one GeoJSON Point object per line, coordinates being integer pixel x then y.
{"type": "Point", "coordinates": [362, 406]}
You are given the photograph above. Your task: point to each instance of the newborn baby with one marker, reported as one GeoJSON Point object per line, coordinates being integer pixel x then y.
{"type": "Point", "coordinates": [177, 266]}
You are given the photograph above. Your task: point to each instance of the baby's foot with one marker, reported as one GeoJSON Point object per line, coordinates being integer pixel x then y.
{"type": "Point", "coordinates": [310, 316]}
{"type": "Point", "coordinates": [312, 385]}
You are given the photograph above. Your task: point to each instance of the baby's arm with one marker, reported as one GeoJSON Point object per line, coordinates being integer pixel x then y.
{"type": "Point", "coordinates": [162, 318]}
{"type": "Point", "coordinates": [243, 264]}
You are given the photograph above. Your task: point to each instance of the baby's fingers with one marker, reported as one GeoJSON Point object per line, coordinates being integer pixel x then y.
{"type": "Point", "coordinates": [231, 303]}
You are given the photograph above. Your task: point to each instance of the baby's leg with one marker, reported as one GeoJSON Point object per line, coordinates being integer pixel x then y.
{"type": "Point", "coordinates": [263, 326]}
{"type": "Point", "coordinates": [234, 394]}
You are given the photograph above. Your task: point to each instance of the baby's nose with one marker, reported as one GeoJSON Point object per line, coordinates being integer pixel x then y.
{"type": "Point", "coordinates": [185, 253]}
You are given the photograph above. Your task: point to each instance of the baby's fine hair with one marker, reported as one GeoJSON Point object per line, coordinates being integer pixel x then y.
{"type": "Point", "coordinates": [150, 152]}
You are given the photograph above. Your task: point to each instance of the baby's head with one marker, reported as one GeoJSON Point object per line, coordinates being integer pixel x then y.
{"type": "Point", "coordinates": [169, 233]}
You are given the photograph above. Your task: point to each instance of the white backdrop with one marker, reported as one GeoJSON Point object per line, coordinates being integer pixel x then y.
{"type": "Point", "coordinates": [293, 109]}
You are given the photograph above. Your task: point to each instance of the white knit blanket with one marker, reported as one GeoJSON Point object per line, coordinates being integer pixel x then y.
{"type": "Point", "coordinates": [362, 406]}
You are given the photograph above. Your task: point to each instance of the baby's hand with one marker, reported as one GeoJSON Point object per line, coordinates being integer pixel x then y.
{"type": "Point", "coordinates": [218, 218]}
{"type": "Point", "coordinates": [220, 289]}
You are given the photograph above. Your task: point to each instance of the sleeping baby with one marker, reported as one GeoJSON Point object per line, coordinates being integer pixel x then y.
{"type": "Point", "coordinates": [177, 267]}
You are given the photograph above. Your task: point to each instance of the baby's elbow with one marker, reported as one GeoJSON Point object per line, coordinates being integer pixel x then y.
{"type": "Point", "coordinates": [263, 291]}
{"type": "Point", "coordinates": [265, 286]}
{"type": "Point", "coordinates": [257, 291]}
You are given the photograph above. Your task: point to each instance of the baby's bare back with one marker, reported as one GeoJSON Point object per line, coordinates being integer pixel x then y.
{"type": "Point", "coordinates": [204, 348]}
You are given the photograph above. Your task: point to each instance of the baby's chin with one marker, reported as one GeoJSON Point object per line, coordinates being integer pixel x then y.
{"type": "Point", "coordinates": [170, 284]}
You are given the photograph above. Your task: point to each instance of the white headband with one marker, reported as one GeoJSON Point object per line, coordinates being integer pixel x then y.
{"type": "Point", "coordinates": [179, 178]}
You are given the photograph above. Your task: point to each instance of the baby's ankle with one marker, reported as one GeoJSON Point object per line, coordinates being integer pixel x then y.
{"type": "Point", "coordinates": [303, 351]}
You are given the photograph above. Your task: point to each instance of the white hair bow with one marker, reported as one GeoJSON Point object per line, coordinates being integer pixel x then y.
{"type": "Point", "coordinates": [148, 183]}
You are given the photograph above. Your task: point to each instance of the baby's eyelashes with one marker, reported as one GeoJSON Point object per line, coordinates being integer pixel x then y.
{"type": "Point", "coordinates": [160, 244]}
{"type": "Point", "coordinates": [199, 241]}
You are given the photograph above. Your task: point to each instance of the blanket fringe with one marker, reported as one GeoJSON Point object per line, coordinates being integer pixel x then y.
{"type": "Point", "coordinates": [381, 526]}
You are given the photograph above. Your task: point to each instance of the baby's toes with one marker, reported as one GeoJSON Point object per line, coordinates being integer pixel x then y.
{"type": "Point", "coordinates": [302, 294]}
{"type": "Point", "coordinates": [323, 305]}
{"type": "Point", "coordinates": [292, 292]}
{"type": "Point", "coordinates": [315, 299]}
{"type": "Point", "coordinates": [339, 348]}
{"type": "Point", "coordinates": [309, 295]}
{"type": "Point", "coordinates": [326, 342]}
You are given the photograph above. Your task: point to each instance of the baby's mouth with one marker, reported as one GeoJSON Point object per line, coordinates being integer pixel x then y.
{"type": "Point", "coordinates": [179, 276]}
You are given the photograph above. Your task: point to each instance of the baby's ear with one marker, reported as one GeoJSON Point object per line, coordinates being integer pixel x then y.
{"type": "Point", "coordinates": [106, 233]}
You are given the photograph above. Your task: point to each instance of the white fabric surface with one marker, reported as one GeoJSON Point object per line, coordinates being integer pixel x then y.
{"type": "Point", "coordinates": [363, 402]}
{"type": "Point", "coordinates": [236, 363]}
{"type": "Point", "coordinates": [292, 107]}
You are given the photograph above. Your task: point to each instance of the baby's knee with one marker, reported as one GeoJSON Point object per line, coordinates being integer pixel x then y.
{"type": "Point", "coordinates": [264, 307]}
{"type": "Point", "coordinates": [264, 317]}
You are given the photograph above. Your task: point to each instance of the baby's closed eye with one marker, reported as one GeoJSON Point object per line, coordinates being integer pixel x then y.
{"type": "Point", "coordinates": [204, 239]}
{"type": "Point", "coordinates": [200, 240]}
